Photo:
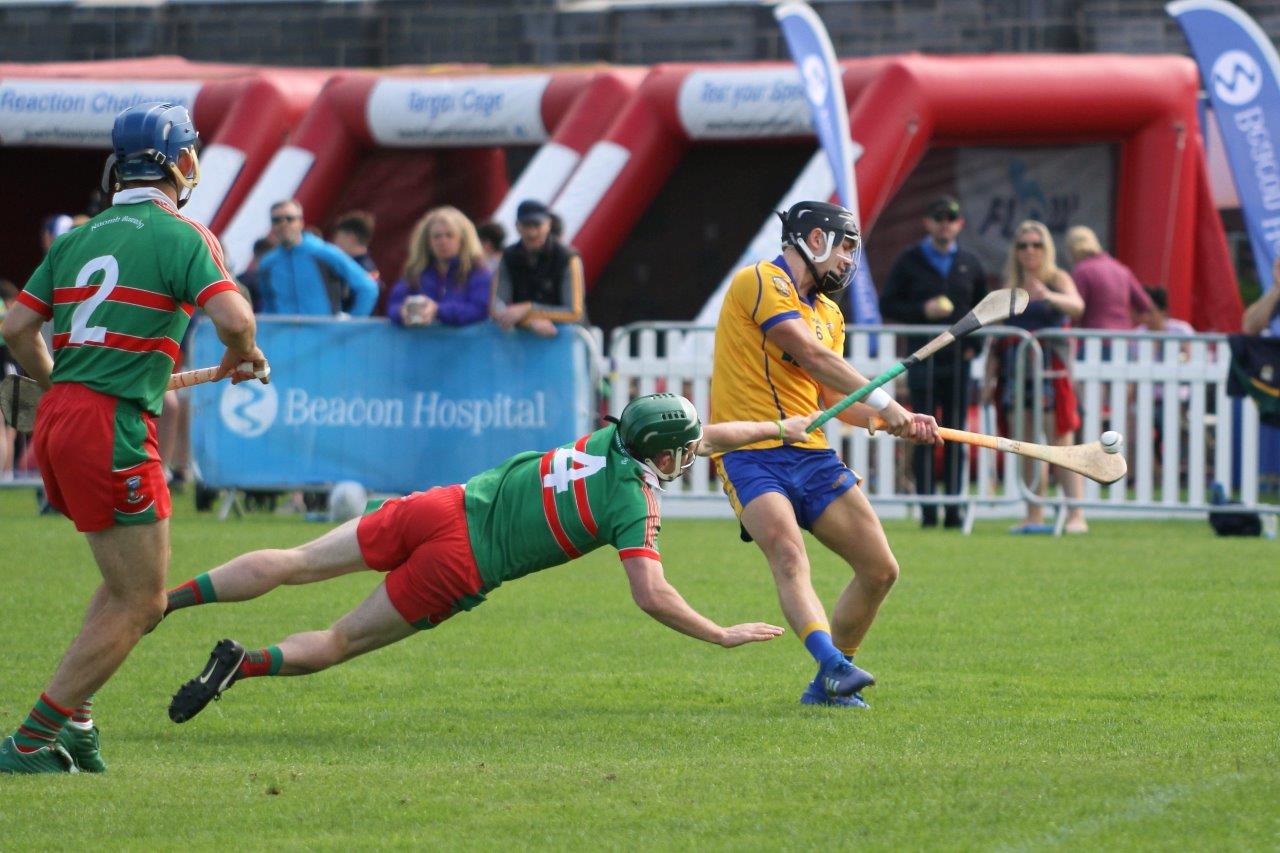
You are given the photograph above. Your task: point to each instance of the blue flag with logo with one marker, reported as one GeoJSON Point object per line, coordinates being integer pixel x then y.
{"type": "Point", "coordinates": [824, 89]}
{"type": "Point", "coordinates": [1241, 75]}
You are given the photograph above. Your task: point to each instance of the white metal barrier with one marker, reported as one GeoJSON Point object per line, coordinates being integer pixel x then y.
{"type": "Point", "coordinates": [1165, 393]}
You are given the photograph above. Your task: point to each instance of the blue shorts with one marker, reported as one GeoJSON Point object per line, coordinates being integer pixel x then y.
{"type": "Point", "coordinates": [810, 479]}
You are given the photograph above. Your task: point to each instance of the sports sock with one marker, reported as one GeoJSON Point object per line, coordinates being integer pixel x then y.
{"type": "Point", "coordinates": [848, 652]}
{"type": "Point", "coordinates": [817, 639]}
{"type": "Point", "coordinates": [82, 717]}
{"type": "Point", "coordinates": [261, 662]}
{"type": "Point", "coordinates": [198, 590]}
{"type": "Point", "coordinates": [41, 726]}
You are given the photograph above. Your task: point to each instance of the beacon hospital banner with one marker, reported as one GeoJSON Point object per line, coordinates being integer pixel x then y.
{"type": "Point", "coordinates": [394, 409]}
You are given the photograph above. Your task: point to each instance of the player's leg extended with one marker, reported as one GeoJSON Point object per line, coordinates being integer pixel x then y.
{"type": "Point", "coordinates": [770, 519]}
{"type": "Point", "coordinates": [372, 625]}
{"type": "Point", "coordinates": [850, 528]}
{"type": "Point", "coordinates": [257, 573]}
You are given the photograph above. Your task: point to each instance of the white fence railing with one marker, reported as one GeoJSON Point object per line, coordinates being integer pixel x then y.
{"type": "Point", "coordinates": [1165, 393]}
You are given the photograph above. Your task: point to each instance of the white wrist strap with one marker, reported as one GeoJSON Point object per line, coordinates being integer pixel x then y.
{"type": "Point", "coordinates": [879, 400]}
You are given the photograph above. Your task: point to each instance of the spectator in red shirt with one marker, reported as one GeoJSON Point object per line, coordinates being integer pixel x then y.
{"type": "Point", "coordinates": [1113, 297]}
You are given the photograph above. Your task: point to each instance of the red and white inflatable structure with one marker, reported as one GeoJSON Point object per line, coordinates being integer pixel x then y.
{"type": "Point", "coordinates": [242, 113]}
{"type": "Point", "coordinates": [1166, 227]}
{"type": "Point", "coordinates": [464, 119]}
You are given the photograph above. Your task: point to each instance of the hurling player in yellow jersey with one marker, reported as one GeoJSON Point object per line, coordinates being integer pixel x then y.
{"type": "Point", "coordinates": [780, 352]}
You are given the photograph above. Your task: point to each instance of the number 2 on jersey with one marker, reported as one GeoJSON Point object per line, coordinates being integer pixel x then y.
{"type": "Point", "coordinates": [562, 473]}
{"type": "Point", "coordinates": [81, 331]}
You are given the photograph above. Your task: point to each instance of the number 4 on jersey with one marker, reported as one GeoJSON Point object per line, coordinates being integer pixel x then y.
{"type": "Point", "coordinates": [562, 473]}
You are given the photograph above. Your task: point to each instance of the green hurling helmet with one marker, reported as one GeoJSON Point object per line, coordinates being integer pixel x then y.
{"type": "Point", "coordinates": [658, 422]}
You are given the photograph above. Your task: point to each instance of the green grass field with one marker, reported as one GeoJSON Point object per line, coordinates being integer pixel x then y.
{"type": "Point", "coordinates": [1111, 691]}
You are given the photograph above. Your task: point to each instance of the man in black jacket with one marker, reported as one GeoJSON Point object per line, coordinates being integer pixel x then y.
{"type": "Point", "coordinates": [936, 282]}
{"type": "Point", "coordinates": [539, 280]}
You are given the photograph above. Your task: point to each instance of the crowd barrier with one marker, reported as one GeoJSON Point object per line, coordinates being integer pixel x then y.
{"type": "Point", "coordinates": [391, 408]}
{"type": "Point", "coordinates": [1165, 393]}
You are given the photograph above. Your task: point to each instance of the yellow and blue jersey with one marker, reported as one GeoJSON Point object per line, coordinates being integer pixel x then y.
{"type": "Point", "coordinates": [753, 379]}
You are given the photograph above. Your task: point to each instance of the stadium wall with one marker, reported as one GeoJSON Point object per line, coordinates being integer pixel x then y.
{"type": "Point", "coordinates": [373, 33]}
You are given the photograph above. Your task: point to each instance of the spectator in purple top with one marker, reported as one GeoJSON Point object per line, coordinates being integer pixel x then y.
{"type": "Point", "coordinates": [445, 279]}
{"type": "Point", "coordinates": [1113, 297]}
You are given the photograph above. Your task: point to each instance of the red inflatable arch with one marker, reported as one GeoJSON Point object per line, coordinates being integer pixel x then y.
{"type": "Point", "coordinates": [1166, 228]}
{"type": "Point", "coordinates": [362, 144]}
{"type": "Point", "coordinates": [55, 123]}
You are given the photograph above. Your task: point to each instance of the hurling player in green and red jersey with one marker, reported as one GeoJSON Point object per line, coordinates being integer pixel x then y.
{"type": "Point", "coordinates": [445, 549]}
{"type": "Point", "coordinates": [120, 291]}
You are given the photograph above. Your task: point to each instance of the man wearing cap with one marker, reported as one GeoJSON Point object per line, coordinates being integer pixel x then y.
{"type": "Point", "coordinates": [539, 280]}
{"type": "Point", "coordinates": [936, 282]}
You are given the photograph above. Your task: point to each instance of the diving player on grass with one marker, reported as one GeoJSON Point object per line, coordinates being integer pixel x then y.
{"type": "Point", "coordinates": [780, 350]}
{"type": "Point", "coordinates": [445, 549]}
{"type": "Point", "coordinates": [120, 291]}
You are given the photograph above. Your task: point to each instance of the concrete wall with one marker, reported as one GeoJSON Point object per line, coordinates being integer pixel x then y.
{"type": "Point", "coordinates": [391, 32]}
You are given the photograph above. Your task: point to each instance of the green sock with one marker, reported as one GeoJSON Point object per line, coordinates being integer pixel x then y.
{"type": "Point", "coordinates": [42, 725]}
{"type": "Point", "coordinates": [261, 662]}
{"type": "Point", "coordinates": [198, 590]}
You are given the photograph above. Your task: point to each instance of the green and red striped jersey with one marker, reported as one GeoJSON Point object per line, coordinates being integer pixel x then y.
{"type": "Point", "coordinates": [538, 510]}
{"type": "Point", "coordinates": [120, 291]}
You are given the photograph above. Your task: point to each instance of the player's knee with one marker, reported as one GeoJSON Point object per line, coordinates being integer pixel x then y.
{"type": "Point", "coordinates": [788, 561]}
{"type": "Point", "coordinates": [883, 573]}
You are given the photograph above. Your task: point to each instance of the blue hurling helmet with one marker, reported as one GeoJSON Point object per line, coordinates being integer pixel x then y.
{"type": "Point", "coordinates": [146, 141]}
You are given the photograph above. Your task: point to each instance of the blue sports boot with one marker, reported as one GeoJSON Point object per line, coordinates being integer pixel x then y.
{"type": "Point", "coordinates": [814, 694]}
{"type": "Point", "coordinates": [843, 679]}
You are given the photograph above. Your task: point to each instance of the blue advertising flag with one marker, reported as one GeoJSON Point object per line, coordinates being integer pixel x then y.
{"type": "Point", "coordinates": [820, 76]}
{"type": "Point", "coordinates": [1241, 75]}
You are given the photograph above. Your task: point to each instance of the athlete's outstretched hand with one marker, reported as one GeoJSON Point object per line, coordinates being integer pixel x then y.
{"type": "Point", "coordinates": [749, 632]}
{"type": "Point", "coordinates": [793, 428]}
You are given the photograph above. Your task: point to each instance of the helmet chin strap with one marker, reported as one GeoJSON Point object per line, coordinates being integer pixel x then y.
{"type": "Point", "coordinates": [831, 281]}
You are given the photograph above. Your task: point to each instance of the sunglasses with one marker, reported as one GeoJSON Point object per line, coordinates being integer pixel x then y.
{"type": "Point", "coordinates": [945, 217]}
{"type": "Point", "coordinates": [1023, 246]}
{"type": "Point", "coordinates": [276, 220]}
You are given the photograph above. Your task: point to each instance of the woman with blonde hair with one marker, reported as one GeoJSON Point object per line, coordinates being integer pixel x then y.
{"type": "Point", "coordinates": [445, 279]}
{"type": "Point", "coordinates": [1054, 302]}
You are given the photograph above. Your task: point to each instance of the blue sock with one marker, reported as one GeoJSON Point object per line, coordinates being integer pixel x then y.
{"type": "Point", "coordinates": [819, 644]}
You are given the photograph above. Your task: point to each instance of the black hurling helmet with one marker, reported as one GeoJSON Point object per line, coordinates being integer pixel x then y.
{"type": "Point", "coordinates": [837, 223]}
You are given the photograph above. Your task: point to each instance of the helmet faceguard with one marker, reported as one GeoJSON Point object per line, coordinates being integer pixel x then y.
{"type": "Point", "coordinates": [658, 422]}
{"type": "Point", "coordinates": [147, 141]}
{"type": "Point", "coordinates": [837, 225]}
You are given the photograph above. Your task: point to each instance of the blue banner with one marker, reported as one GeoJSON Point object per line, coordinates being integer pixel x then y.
{"type": "Point", "coordinates": [1241, 75]}
{"type": "Point", "coordinates": [823, 85]}
{"type": "Point", "coordinates": [394, 409]}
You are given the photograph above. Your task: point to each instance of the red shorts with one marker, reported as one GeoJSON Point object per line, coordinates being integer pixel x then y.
{"type": "Point", "coordinates": [422, 542]}
{"type": "Point", "coordinates": [99, 459]}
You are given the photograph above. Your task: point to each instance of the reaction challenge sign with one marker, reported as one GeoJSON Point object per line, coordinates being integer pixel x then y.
{"type": "Point", "coordinates": [394, 409]}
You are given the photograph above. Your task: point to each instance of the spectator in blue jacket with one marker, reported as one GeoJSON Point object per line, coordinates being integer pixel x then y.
{"type": "Point", "coordinates": [306, 275]}
{"type": "Point", "coordinates": [445, 279]}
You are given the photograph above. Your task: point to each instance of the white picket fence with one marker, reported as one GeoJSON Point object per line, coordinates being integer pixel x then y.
{"type": "Point", "coordinates": [1124, 380]}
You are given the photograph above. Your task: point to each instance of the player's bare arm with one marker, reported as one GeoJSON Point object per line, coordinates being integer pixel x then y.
{"type": "Point", "coordinates": [833, 372]}
{"type": "Point", "coordinates": [21, 333]}
{"type": "Point", "coordinates": [721, 438]}
{"type": "Point", "coordinates": [655, 596]}
{"type": "Point", "coordinates": [232, 316]}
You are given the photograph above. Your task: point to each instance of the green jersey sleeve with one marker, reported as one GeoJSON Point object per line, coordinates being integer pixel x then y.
{"type": "Point", "coordinates": [38, 294]}
{"type": "Point", "coordinates": [197, 271]}
{"type": "Point", "coordinates": [635, 521]}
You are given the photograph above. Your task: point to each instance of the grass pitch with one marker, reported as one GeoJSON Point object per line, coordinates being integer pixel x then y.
{"type": "Point", "coordinates": [1110, 691]}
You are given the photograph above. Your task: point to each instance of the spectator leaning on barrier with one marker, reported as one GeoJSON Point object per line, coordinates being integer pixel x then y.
{"type": "Point", "coordinates": [352, 233]}
{"type": "Point", "coordinates": [1258, 316]}
{"type": "Point", "coordinates": [937, 282]}
{"type": "Point", "coordinates": [445, 279]}
{"type": "Point", "coordinates": [1113, 297]}
{"type": "Point", "coordinates": [306, 275]}
{"type": "Point", "coordinates": [1054, 301]}
{"type": "Point", "coordinates": [539, 282]}
{"type": "Point", "coordinates": [492, 239]}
